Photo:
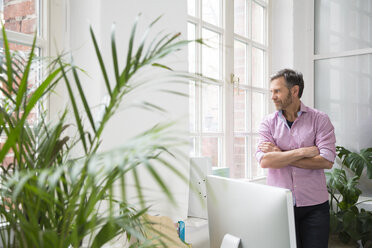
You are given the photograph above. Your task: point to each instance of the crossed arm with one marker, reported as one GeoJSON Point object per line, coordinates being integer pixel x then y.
{"type": "Point", "coordinates": [305, 157]}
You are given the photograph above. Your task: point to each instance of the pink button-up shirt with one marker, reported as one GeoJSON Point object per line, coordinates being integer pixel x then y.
{"type": "Point", "coordinates": [311, 128]}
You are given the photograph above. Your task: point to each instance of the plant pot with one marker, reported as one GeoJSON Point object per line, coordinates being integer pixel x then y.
{"type": "Point", "coordinates": [335, 242]}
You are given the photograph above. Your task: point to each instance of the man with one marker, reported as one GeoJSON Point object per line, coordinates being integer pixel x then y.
{"type": "Point", "coordinates": [296, 144]}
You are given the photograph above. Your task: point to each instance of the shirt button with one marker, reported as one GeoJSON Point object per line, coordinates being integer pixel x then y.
{"type": "Point", "coordinates": [295, 186]}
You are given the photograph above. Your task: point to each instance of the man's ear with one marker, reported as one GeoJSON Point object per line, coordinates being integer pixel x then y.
{"type": "Point", "coordinates": [295, 90]}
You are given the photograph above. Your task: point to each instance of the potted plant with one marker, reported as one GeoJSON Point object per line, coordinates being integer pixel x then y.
{"type": "Point", "coordinates": [50, 198]}
{"type": "Point", "coordinates": [349, 223]}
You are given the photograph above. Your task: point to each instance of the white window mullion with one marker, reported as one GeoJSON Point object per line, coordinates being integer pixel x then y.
{"type": "Point", "coordinates": [228, 86]}
{"type": "Point", "coordinates": [249, 17]}
{"type": "Point", "coordinates": [249, 172]}
{"type": "Point", "coordinates": [198, 68]}
{"type": "Point", "coordinates": [44, 10]}
{"type": "Point", "coordinates": [248, 161]}
{"type": "Point", "coordinates": [222, 115]}
{"type": "Point", "coordinates": [199, 9]}
{"type": "Point", "coordinates": [212, 27]}
{"type": "Point", "coordinates": [198, 88]}
{"type": "Point", "coordinates": [24, 39]}
{"type": "Point", "coordinates": [248, 164]}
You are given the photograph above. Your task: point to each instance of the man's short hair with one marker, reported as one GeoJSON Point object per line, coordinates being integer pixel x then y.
{"type": "Point", "coordinates": [292, 78]}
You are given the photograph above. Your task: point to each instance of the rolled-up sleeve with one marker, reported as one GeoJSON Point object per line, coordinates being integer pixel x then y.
{"type": "Point", "coordinates": [264, 136]}
{"type": "Point", "coordinates": [325, 138]}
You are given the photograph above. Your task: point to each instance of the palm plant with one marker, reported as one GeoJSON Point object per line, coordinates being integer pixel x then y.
{"type": "Point", "coordinates": [53, 199]}
{"type": "Point", "coordinates": [347, 221]}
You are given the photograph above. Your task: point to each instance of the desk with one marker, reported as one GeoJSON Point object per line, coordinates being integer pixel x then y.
{"type": "Point", "coordinates": [197, 232]}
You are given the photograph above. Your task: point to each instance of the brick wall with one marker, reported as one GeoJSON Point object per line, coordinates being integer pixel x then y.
{"type": "Point", "coordinates": [20, 15]}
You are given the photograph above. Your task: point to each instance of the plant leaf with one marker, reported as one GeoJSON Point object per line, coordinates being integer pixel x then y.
{"type": "Point", "coordinates": [115, 56]}
{"type": "Point", "coordinates": [100, 60]}
{"type": "Point", "coordinates": [107, 233]}
{"type": "Point", "coordinates": [83, 98]}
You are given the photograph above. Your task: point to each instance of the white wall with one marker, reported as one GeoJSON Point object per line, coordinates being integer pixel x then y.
{"type": "Point", "coordinates": [282, 55]}
{"type": "Point", "coordinates": [174, 20]}
{"type": "Point", "coordinates": [291, 41]}
{"type": "Point", "coordinates": [303, 43]}
{"type": "Point", "coordinates": [128, 123]}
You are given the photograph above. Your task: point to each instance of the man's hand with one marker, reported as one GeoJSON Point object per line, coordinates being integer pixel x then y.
{"type": "Point", "coordinates": [268, 147]}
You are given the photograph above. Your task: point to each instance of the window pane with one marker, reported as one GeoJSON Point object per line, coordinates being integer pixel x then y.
{"type": "Point", "coordinates": [191, 7]}
{"type": "Point", "coordinates": [257, 67]}
{"type": "Point", "coordinates": [258, 109]}
{"type": "Point", "coordinates": [211, 54]}
{"type": "Point", "coordinates": [237, 170]}
{"type": "Point", "coordinates": [256, 169]}
{"type": "Point", "coordinates": [349, 25]}
{"type": "Point", "coordinates": [257, 22]}
{"type": "Point", "coordinates": [211, 110]}
{"type": "Point", "coordinates": [240, 61]}
{"type": "Point", "coordinates": [191, 47]}
{"type": "Point", "coordinates": [211, 11]}
{"type": "Point", "coordinates": [350, 106]}
{"type": "Point", "coordinates": [192, 124]}
{"type": "Point", "coordinates": [240, 110]}
{"type": "Point", "coordinates": [240, 17]}
{"type": "Point", "coordinates": [210, 148]}
{"type": "Point", "coordinates": [20, 16]}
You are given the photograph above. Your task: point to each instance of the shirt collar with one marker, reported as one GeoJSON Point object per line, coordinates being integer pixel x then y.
{"type": "Point", "coordinates": [303, 109]}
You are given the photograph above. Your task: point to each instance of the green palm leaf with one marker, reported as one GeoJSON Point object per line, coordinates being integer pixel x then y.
{"type": "Point", "coordinates": [356, 162]}
{"type": "Point", "coordinates": [57, 198]}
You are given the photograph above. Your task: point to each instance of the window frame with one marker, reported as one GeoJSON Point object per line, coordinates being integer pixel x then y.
{"type": "Point", "coordinates": [227, 134]}
{"type": "Point", "coordinates": [42, 39]}
{"type": "Point", "coordinates": [199, 134]}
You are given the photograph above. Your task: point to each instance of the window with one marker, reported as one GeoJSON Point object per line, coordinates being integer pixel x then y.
{"type": "Point", "coordinates": [225, 113]}
{"type": "Point", "coordinates": [343, 68]}
{"type": "Point", "coordinates": [21, 18]}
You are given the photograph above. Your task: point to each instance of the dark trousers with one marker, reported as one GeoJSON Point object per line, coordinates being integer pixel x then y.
{"type": "Point", "coordinates": [312, 226]}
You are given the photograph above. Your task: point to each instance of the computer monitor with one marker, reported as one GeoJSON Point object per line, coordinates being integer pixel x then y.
{"type": "Point", "coordinates": [260, 215]}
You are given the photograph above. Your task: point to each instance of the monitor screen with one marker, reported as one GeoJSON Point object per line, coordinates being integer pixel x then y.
{"type": "Point", "coordinates": [260, 215]}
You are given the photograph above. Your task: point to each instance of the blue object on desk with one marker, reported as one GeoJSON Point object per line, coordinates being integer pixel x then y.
{"type": "Point", "coordinates": [181, 230]}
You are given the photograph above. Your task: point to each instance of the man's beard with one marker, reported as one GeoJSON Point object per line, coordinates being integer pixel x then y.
{"type": "Point", "coordinates": [285, 103]}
